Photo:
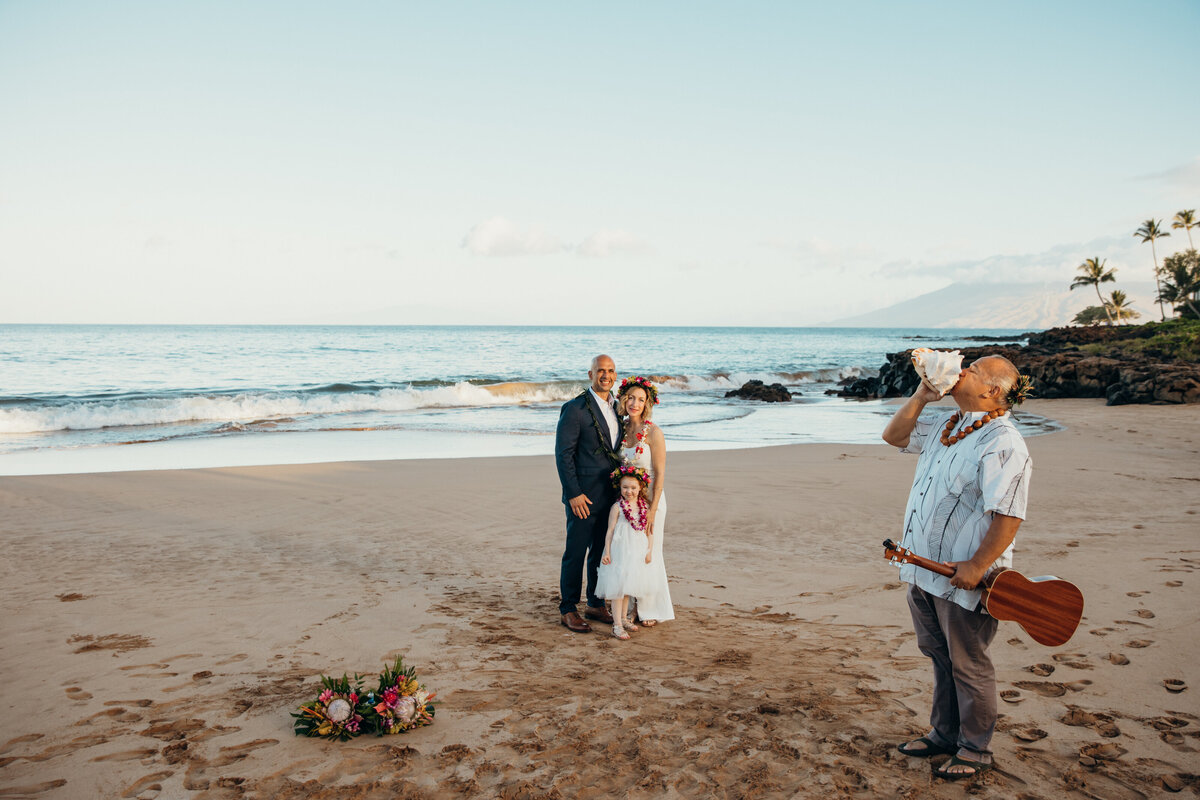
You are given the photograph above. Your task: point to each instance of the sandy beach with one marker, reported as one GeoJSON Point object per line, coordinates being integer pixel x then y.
{"type": "Point", "coordinates": [159, 627]}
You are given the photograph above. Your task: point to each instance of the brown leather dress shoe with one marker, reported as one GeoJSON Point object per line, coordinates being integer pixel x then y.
{"type": "Point", "coordinates": [599, 615]}
{"type": "Point", "coordinates": [572, 622]}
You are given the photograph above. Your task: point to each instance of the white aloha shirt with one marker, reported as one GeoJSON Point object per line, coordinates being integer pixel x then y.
{"type": "Point", "coordinates": [955, 493]}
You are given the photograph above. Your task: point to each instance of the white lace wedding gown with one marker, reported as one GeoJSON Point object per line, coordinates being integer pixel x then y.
{"type": "Point", "coordinates": [656, 603]}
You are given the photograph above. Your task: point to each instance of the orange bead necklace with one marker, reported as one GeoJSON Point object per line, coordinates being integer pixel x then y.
{"type": "Point", "coordinates": [949, 438]}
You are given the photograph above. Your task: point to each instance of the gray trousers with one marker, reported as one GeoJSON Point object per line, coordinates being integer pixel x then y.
{"type": "Point", "coordinates": [964, 681]}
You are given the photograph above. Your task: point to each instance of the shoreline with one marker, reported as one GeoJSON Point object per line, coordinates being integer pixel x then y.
{"type": "Point", "coordinates": [293, 448]}
{"type": "Point", "coordinates": [164, 624]}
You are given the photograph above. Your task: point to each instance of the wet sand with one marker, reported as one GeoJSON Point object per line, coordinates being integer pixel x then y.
{"type": "Point", "coordinates": [159, 627]}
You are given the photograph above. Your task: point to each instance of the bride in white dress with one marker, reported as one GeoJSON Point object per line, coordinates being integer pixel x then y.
{"type": "Point", "coordinates": [644, 446]}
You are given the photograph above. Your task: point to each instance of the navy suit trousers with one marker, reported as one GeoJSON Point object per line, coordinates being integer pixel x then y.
{"type": "Point", "coordinates": [585, 548]}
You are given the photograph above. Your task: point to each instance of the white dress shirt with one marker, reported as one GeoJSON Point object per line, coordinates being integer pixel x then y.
{"type": "Point", "coordinates": [609, 409]}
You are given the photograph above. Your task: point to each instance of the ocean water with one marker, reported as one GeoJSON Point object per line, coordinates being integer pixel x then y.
{"type": "Point", "coordinates": [80, 398]}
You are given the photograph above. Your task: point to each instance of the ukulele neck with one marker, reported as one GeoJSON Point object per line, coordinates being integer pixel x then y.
{"type": "Point", "coordinates": [908, 557]}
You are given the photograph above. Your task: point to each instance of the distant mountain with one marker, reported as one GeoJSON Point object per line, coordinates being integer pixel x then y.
{"type": "Point", "coordinates": [1027, 306]}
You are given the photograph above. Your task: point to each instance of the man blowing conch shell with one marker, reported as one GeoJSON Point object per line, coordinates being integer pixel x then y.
{"type": "Point", "coordinates": [967, 500]}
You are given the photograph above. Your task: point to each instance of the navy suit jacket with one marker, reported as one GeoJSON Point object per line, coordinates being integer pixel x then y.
{"type": "Point", "coordinates": [584, 459]}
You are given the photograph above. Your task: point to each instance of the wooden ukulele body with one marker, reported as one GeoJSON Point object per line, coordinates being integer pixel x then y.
{"type": "Point", "coordinates": [1048, 609]}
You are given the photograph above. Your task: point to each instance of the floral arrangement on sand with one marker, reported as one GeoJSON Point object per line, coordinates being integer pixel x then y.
{"type": "Point", "coordinates": [339, 712]}
{"type": "Point", "coordinates": [342, 710]}
{"type": "Point", "coordinates": [401, 702]}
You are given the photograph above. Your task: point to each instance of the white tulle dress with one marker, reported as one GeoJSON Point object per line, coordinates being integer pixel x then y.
{"type": "Point", "coordinates": [628, 574]}
{"type": "Point", "coordinates": [655, 603]}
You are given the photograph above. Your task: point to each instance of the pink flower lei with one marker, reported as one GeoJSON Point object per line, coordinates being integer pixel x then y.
{"type": "Point", "coordinates": [643, 507]}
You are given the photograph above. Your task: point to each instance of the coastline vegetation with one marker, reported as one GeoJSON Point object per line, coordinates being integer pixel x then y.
{"type": "Point", "coordinates": [1174, 340]}
{"type": "Point", "coordinates": [1177, 279]}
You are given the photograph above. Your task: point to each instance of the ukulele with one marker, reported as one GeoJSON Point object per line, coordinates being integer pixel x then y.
{"type": "Point", "coordinates": [1046, 608]}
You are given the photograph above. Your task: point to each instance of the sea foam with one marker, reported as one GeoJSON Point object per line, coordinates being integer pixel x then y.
{"type": "Point", "coordinates": [258, 406]}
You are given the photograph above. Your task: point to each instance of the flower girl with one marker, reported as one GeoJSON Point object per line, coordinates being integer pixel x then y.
{"type": "Point", "coordinates": [628, 546]}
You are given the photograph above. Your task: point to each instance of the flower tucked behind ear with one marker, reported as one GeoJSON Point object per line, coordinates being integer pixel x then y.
{"type": "Point", "coordinates": [1021, 391]}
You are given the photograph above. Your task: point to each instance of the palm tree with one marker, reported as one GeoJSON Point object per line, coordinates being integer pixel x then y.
{"type": "Point", "coordinates": [1119, 308]}
{"type": "Point", "coordinates": [1148, 233]}
{"type": "Point", "coordinates": [1181, 281]}
{"type": "Point", "coordinates": [1095, 274]}
{"type": "Point", "coordinates": [1187, 221]}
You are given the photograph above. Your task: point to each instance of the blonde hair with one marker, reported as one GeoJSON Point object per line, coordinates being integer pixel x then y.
{"type": "Point", "coordinates": [647, 410]}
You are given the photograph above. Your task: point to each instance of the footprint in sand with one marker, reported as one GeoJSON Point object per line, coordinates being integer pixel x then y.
{"type": "Point", "coordinates": [128, 755]}
{"type": "Point", "coordinates": [1135, 594]}
{"type": "Point", "coordinates": [1102, 751]}
{"type": "Point", "coordinates": [1168, 728]}
{"type": "Point", "coordinates": [1174, 685]}
{"type": "Point", "coordinates": [234, 753]}
{"type": "Point", "coordinates": [1052, 688]}
{"type": "Point", "coordinates": [1030, 734]}
{"type": "Point", "coordinates": [75, 693]}
{"type": "Point", "coordinates": [1044, 688]}
{"type": "Point", "coordinates": [1144, 613]}
{"type": "Point", "coordinates": [1011, 696]}
{"type": "Point", "coordinates": [37, 788]}
{"type": "Point", "coordinates": [1118, 658]}
{"type": "Point", "coordinates": [1138, 643]}
{"type": "Point", "coordinates": [1101, 723]}
{"type": "Point", "coordinates": [1040, 669]}
{"type": "Point", "coordinates": [29, 737]}
{"type": "Point", "coordinates": [1173, 584]}
{"type": "Point", "coordinates": [148, 787]}
{"type": "Point", "coordinates": [1015, 642]}
{"type": "Point", "coordinates": [1072, 660]}
{"type": "Point", "coordinates": [232, 659]}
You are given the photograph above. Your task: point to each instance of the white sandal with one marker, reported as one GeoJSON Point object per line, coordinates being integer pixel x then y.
{"type": "Point", "coordinates": [619, 632]}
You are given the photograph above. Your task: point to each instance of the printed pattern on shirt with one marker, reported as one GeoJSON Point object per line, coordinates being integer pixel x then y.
{"type": "Point", "coordinates": [956, 490]}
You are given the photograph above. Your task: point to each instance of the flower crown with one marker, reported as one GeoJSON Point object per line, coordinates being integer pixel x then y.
{"type": "Point", "coordinates": [1021, 391]}
{"type": "Point", "coordinates": [638, 380]}
{"type": "Point", "coordinates": [629, 471]}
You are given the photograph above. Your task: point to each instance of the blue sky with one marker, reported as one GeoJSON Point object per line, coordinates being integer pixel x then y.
{"type": "Point", "coordinates": [683, 163]}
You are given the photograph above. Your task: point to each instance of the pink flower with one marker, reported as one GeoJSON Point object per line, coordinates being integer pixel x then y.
{"type": "Point", "coordinates": [325, 696]}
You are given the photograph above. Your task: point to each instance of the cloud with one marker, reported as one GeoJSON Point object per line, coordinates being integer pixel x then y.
{"type": "Point", "coordinates": [1184, 176]}
{"type": "Point", "coordinates": [1058, 263]}
{"type": "Point", "coordinates": [500, 238]}
{"type": "Point", "coordinates": [606, 243]}
{"type": "Point", "coordinates": [819, 252]}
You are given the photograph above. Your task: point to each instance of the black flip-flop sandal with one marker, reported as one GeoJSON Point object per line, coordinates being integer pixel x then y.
{"type": "Point", "coordinates": [931, 748]}
{"type": "Point", "coordinates": [977, 769]}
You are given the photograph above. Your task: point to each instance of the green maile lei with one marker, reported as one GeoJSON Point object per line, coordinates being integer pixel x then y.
{"type": "Point", "coordinates": [603, 449]}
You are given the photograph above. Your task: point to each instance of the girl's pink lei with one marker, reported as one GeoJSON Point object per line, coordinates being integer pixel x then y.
{"type": "Point", "coordinates": [640, 523]}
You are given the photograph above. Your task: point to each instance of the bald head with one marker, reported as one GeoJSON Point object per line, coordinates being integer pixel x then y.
{"type": "Point", "coordinates": [999, 372]}
{"type": "Point", "coordinates": [603, 374]}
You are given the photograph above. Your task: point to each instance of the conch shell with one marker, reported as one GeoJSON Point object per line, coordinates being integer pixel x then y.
{"type": "Point", "coordinates": [939, 369]}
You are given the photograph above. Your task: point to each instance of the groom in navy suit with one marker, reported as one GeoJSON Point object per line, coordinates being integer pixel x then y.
{"type": "Point", "coordinates": [586, 452]}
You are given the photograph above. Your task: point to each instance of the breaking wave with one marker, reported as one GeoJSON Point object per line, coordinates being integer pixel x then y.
{"type": "Point", "coordinates": [259, 408]}
{"type": "Point", "coordinates": [264, 409]}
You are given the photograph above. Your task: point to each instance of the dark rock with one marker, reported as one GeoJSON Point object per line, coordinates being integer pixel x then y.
{"type": "Point", "coordinates": [1059, 370]}
{"type": "Point", "coordinates": [1019, 337]}
{"type": "Point", "coordinates": [757, 390]}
